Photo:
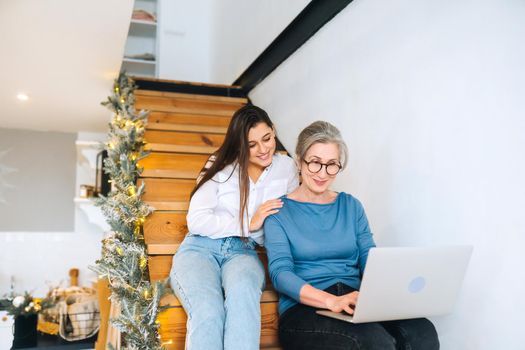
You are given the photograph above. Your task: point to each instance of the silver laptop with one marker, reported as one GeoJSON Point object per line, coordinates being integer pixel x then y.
{"type": "Point", "coordinates": [403, 283]}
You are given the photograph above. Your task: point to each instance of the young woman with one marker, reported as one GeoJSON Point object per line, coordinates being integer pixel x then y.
{"type": "Point", "coordinates": [317, 247]}
{"type": "Point", "coordinates": [216, 273]}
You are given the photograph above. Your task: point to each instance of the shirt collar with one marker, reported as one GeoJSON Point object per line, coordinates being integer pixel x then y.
{"type": "Point", "coordinates": [265, 172]}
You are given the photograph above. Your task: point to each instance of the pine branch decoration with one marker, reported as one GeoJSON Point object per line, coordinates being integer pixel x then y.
{"type": "Point", "coordinates": [124, 258]}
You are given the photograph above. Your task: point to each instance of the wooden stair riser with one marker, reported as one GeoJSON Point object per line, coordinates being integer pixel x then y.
{"type": "Point", "coordinates": [161, 147]}
{"type": "Point", "coordinates": [159, 267]}
{"type": "Point", "coordinates": [182, 105]}
{"type": "Point", "coordinates": [165, 228]}
{"type": "Point", "coordinates": [167, 190]}
{"type": "Point", "coordinates": [172, 165]}
{"type": "Point", "coordinates": [228, 99]}
{"type": "Point", "coordinates": [173, 326]}
{"type": "Point", "coordinates": [184, 138]}
{"type": "Point", "coordinates": [187, 122]}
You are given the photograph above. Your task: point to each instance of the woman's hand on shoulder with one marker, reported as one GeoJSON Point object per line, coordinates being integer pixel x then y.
{"type": "Point", "coordinates": [266, 209]}
{"type": "Point", "coordinates": [342, 303]}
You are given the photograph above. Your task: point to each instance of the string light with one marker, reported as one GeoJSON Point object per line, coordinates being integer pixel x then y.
{"type": "Point", "coordinates": [123, 206]}
{"type": "Point", "coordinates": [143, 262]}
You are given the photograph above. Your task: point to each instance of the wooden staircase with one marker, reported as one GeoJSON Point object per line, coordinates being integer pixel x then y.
{"type": "Point", "coordinates": [183, 130]}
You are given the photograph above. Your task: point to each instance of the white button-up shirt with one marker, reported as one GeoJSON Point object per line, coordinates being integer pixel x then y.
{"type": "Point", "coordinates": [214, 208]}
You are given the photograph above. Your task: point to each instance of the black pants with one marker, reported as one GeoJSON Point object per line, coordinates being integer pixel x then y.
{"type": "Point", "coordinates": [300, 328]}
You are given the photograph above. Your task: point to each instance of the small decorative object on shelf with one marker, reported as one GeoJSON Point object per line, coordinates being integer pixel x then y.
{"type": "Point", "coordinates": [86, 191]}
{"type": "Point", "coordinates": [143, 15]}
{"type": "Point", "coordinates": [141, 56]}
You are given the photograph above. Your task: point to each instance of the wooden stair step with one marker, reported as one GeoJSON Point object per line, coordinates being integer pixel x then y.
{"type": "Point", "coordinates": [176, 191]}
{"type": "Point", "coordinates": [185, 105]}
{"type": "Point", "coordinates": [162, 147]}
{"type": "Point", "coordinates": [191, 128]}
{"type": "Point", "coordinates": [172, 165]}
{"type": "Point", "coordinates": [162, 248]}
{"type": "Point", "coordinates": [183, 138]}
{"type": "Point", "coordinates": [238, 100]}
{"type": "Point", "coordinates": [188, 122]}
{"type": "Point", "coordinates": [170, 300]}
{"type": "Point", "coordinates": [168, 206]}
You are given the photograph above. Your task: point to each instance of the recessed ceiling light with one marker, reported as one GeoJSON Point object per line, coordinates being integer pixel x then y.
{"type": "Point", "coordinates": [22, 97]}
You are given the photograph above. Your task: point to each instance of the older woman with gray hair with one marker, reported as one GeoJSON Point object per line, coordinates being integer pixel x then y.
{"type": "Point", "coordinates": [317, 247]}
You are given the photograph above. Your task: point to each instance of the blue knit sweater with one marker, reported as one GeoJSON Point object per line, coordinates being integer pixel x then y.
{"type": "Point", "coordinates": [318, 244]}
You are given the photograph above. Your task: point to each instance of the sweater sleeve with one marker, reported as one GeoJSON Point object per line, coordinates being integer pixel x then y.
{"type": "Point", "coordinates": [280, 260]}
{"type": "Point", "coordinates": [365, 241]}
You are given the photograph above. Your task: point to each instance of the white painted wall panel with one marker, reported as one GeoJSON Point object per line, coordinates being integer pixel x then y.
{"type": "Point", "coordinates": [429, 96]}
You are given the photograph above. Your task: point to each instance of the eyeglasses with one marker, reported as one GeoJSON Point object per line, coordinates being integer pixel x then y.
{"type": "Point", "coordinates": [331, 168]}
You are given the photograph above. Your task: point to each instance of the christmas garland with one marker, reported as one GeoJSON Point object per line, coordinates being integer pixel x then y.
{"type": "Point", "coordinates": [124, 258]}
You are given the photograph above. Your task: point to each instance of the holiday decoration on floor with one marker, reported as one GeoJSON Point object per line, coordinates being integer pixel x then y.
{"type": "Point", "coordinates": [24, 308]}
{"type": "Point", "coordinates": [124, 257]}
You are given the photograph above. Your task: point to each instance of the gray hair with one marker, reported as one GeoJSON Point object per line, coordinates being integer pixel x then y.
{"type": "Point", "coordinates": [321, 132]}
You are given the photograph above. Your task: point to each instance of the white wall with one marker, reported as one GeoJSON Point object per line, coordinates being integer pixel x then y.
{"type": "Point", "coordinates": [429, 96]}
{"type": "Point", "coordinates": [215, 41]}
{"type": "Point", "coordinates": [242, 30]}
{"type": "Point", "coordinates": [184, 39]}
{"type": "Point", "coordinates": [38, 260]}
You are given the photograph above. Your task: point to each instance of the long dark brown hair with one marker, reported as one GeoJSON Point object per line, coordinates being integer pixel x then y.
{"type": "Point", "coordinates": [236, 149]}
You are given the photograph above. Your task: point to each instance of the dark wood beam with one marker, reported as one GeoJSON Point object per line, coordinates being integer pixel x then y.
{"type": "Point", "coordinates": [314, 16]}
{"type": "Point", "coordinates": [188, 87]}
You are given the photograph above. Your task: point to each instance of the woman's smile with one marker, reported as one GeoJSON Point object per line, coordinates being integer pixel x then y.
{"type": "Point", "coordinates": [264, 156]}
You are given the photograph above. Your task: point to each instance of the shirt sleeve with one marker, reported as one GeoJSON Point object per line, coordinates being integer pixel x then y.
{"type": "Point", "coordinates": [203, 218]}
{"type": "Point", "coordinates": [258, 232]}
{"type": "Point", "coordinates": [365, 241]}
{"type": "Point", "coordinates": [280, 260]}
{"type": "Point", "coordinates": [290, 172]}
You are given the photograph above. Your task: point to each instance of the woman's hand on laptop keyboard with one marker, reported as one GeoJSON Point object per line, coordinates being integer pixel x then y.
{"type": "Point", "coordinates": [344, 303]}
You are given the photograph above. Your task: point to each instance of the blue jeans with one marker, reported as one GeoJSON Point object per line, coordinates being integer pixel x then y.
{"type": "Point", "coordinates": [300, 328]}
{"type": "Point", "coordinates": [219, 283]}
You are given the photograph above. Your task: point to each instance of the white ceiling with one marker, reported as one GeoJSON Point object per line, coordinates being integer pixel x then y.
{"type": "Point", "coordinates": [64, 54]}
